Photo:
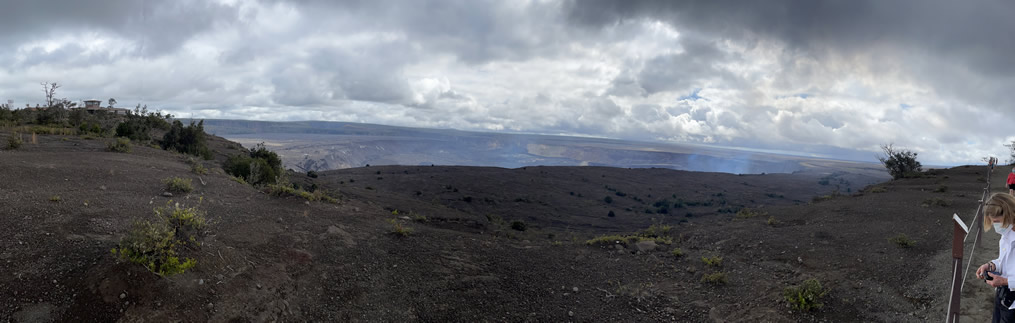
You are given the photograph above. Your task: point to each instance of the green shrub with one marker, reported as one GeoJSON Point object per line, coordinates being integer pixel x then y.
{"type": "Point", "coordinates": [14, 141]}
{"type": "Point", "coordinates": [154, 244]}
{"type": "Point", "coordinates": [900, 162]}
{"type": "Point", "coordinates": [714, 261]}
{"type": "Point", "coordinates": [54, 198]}
{"type": "Point", "coordinates": [178, 185]}
{"type": "Point", "coordinates": [677, 252]}
{"type": "Point", "coordinates": [187, 222]}
{"type": "Point", "coordinates": [656, 230]}
{"type": "Point", "coordinates": [120, 145]}
{"type": "Point", "coordinates": [902, 240]}
{"type": "Point", "coordinates": [772, 221]}
{"type": "Point", "coordinates": [519, 225]}
{"type": "Point", "coordinates": [608, 200]}
{"type": "Point", "coordinates": [188, 140]}
{"type": "Point", "coordinates": [398, 229]}
{"type": "Point", "coordinates": [238, 180]}
{"type": "Point", "coordinates": [199, 169]}
{"type": "Point", "coordinates": [717, 278]}
{"type": "Point", "coordinates": [747, 213]}
{"type": "Point", "coordinates": [312, 174]}
{"type": "Point", "coordinates": [259, 166]}
{"type": "Point", "coordinates": [611, 214]}
{"type": "Point", "coordinates": [806, 296]}
{"type": "Point", "coordinates": [283, 190]}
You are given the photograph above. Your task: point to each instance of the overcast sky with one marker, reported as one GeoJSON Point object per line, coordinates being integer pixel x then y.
{"type": "Point", "coordinates": [833, 78]}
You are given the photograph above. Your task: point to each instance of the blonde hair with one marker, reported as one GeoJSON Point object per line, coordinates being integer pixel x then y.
{"type": "Point", "coordinates": [999, 205]}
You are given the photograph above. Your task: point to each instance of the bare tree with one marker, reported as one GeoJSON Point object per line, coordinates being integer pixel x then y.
{"type": "Point", "coordinates": [50, 90]}
{"type": "Point", "coordinates": [112, 102]}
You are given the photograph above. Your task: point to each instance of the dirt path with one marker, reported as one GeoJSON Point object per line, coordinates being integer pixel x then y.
{"type": "Point", "coordinates": [977, 297]}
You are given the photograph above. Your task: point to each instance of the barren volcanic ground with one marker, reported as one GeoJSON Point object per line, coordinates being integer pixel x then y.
{"type": "Point", "coordinates": [272, 258]}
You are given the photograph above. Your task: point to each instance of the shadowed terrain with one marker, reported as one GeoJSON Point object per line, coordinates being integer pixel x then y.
{"type": "Point", "coordinates": [486, 244]}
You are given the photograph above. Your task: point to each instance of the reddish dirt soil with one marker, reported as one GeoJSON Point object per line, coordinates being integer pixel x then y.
{"type": "Point", "coordinates": [269, 258]}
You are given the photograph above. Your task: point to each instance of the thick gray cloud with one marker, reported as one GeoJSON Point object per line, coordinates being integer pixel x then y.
{"type": "Point", "coordinates": [833, 78]}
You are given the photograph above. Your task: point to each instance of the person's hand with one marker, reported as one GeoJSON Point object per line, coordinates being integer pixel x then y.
{"type": "Point", "coordinates": [983, 269]}
{"type": "Point", "coordinates": [997, 281]}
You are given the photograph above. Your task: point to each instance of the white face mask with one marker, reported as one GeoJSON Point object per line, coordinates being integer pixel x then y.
{"type": "Point", "coordinates": [999, 229]}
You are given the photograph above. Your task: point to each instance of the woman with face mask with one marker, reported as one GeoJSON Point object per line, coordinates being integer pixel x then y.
{"type": "Point", "coordinates": [999, 214]}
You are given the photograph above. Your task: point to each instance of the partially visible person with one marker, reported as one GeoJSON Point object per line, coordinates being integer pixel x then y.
{"type": "Point", "coordinates": [1011, 182]}
{"type": "Point", "coordinates": [999, 214]}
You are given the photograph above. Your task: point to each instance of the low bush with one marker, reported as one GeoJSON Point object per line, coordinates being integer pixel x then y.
{"type": "Point", "coordinates": [54, 198]}
{"type": "Point", "coordinates": [717, 278]}
{"type": "Point", "coordinates": [398, 229]}
{"type": "Point", "coordinates": [15, 141]}
{"type": "Point", "coordinates": [178, 184]}
{"type": "Point", "coordinates": [120, 145]}
{"type": "Point", "coordinates": [902, 241]}
{"type": "Point", "coordinates": [714, 261]}
{"type": "Point", "coordinates": [199, 169]}
{"type": "Point", "coordinates": [805, 297]}
{"type": "Point", "coordinates": [155, 244]}
{"type": "Point", "coordinates": [283, 190]}
{"type": "Point", "coordinates": [677, 252]}
{"type": "Point", "coordinates": [258, 166]}
{"type": "Point", "coordinates": [747, 213]}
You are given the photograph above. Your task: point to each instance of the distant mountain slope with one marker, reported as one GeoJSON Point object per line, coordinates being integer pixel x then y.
{"type": "Point", "coordinates": [318, 145]}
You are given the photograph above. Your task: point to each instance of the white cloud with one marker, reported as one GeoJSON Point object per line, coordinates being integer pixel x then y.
{"type": "Point", "coordinates": [768, 77]}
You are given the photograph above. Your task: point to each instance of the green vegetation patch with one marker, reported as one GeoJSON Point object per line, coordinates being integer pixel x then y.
{"type": "Point", "coordinates": [156, 244]}
{"type": "Point", "coordinates": [805, 297]}
{"type": "Point", "coordinates": [398, 229]}
{"type": "Point", "coordinates": [120, 145]}
{"type": "Point", "coordinates": [717, 278]}
{"type": "Point", "coordinates": [283, 190]}
{"type": "Point", "coordinates": [902, 241]}
{"type": "Point", "coordinates": [714, 261]}
{"type": "Point", "coordinates": [747, 213]}
{"type": "Point", "coordinates": [178, 184]}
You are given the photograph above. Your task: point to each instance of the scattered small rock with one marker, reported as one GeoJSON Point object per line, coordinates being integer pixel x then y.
{"type": "Point", "coordinates": [570, 313]}
{"type": "Point", "coordinates": [575, 289]}
{"type": "Point", "coordinates": [258, 286]}
{"type": "Point", "coordinates": [103, 187]}
{"type": "Point", "coordinates": [200, 282]}
{"type": "Point", "coordinates": [167, 194]}
{"type": "Point", "coordinates": [123, 295]}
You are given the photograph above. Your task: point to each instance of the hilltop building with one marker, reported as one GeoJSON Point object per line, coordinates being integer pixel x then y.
{"type": "Point", "coordinates": [93, 106]}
